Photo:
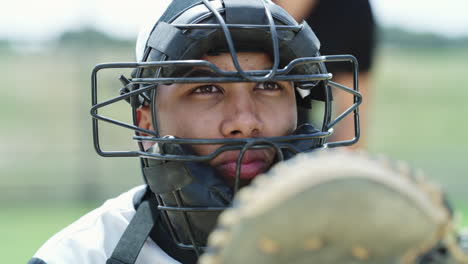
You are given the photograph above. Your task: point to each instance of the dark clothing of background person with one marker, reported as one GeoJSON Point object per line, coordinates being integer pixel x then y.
{"type": "Point", "coordinates": [345, 27]}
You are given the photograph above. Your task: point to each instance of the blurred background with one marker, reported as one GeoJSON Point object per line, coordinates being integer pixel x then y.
{"type": "Point", "coordinates": [50, 174]}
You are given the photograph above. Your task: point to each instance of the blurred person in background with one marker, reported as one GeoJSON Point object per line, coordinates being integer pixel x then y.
{"type": "Point", "coordinates": [343, 27]}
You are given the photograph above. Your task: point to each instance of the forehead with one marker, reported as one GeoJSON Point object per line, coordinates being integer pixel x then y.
{"type": "Point", "coordinates": [248, 60]}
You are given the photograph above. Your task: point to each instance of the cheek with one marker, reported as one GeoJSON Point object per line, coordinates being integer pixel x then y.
{"type": "Point", "coordinates": [280, 117]}
{"type": "Point", "coordinates": [193, 124]}
{"type": "Point", "coordinates": [186, 120]}
{"type": "Point", "coordinates": [199, 125]}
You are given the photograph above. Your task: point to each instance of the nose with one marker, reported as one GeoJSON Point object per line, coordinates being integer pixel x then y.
{"type": "Point", "coordinates": [241, 116]}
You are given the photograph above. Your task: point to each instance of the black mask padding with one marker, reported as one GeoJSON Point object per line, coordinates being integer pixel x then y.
{"type": "Point", "coordinates": [198, 184]}
{"type": "Point", "coordinates": [305, 145]}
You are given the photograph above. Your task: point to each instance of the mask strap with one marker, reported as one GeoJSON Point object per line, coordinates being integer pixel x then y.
{"type": "Point", "coordinates": [134, 237]}
{"type": "Point", "coordinates": [174, 8]}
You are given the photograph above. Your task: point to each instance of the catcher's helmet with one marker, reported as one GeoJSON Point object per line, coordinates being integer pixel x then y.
{"type": "Point", "coordinates": [189, 193]}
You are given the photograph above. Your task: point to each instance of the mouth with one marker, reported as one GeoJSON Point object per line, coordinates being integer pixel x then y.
{"type": "Point", "coordinates": [253, 163]}
{"type": "Point", "coordinates": [248, 170]}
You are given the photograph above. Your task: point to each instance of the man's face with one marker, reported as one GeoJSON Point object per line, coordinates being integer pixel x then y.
{"type": "Point", "coordinates": [227, 110]}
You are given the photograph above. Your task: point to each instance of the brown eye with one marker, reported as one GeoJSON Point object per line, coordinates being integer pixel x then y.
{"type": "Point", "coordinates": [270, 86]}
{"type": "Point", "coordinates": [206, 89]}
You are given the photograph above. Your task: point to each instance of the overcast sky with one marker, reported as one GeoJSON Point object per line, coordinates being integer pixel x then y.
{"type": "Point", "coordinates": [46, 19]}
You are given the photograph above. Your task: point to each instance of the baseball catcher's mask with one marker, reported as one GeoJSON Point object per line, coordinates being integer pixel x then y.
{"type": "Point", "coordinates": [190, 194]}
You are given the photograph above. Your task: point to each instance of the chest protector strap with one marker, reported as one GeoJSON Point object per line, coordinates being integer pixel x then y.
{"type": "Point", "coordinates": [134, 237]}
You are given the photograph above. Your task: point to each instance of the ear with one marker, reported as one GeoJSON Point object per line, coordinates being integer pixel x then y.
{"type": "Point", "coordinates": [144, 119]}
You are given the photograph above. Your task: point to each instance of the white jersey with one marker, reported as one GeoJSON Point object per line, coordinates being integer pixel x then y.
{"type": "Point", "coordinates": [93, 237]}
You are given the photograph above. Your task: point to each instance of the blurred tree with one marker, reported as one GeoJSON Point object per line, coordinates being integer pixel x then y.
{"type": "Point", "coordinates": [90, 37]}
{"type": "Point", "coordinates": [405, 39]}
{"type": "Point", "coordinates": [4, 45]}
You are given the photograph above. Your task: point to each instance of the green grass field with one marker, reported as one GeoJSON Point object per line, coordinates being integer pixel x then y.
{"type": "Point", "coordinates": [25, 228]}
{"type": "Point", "coordinates": [419, 112]}
{"type": "Point", "coordinates": [47, 156]}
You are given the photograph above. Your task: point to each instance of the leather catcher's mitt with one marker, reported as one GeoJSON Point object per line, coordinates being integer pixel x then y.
{"type": "Point", "coordinates": [332, 207]}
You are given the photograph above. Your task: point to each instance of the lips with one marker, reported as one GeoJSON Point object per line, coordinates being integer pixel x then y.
{"type": "Point", "coordinates": [253, 163]}
{"type": "Point", "coordinates": [248, 170]}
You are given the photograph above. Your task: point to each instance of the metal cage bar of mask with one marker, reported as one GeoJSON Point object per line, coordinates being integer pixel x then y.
{"type": "Point", "coordinates": [232, 50]}
{"type": "Point", "coordinates": [225, 76]}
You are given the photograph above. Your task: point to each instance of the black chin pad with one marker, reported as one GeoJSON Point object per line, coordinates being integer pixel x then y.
{"type": "Point", "coordinates": [188, 184]}
{"type": "Point", "coordinates": [304, 145]}
{"type": "Point", "coordinates": [305, 129]}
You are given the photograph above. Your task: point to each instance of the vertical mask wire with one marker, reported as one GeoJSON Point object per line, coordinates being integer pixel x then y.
{"type": "Point", "coordinates": [232, 50]}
